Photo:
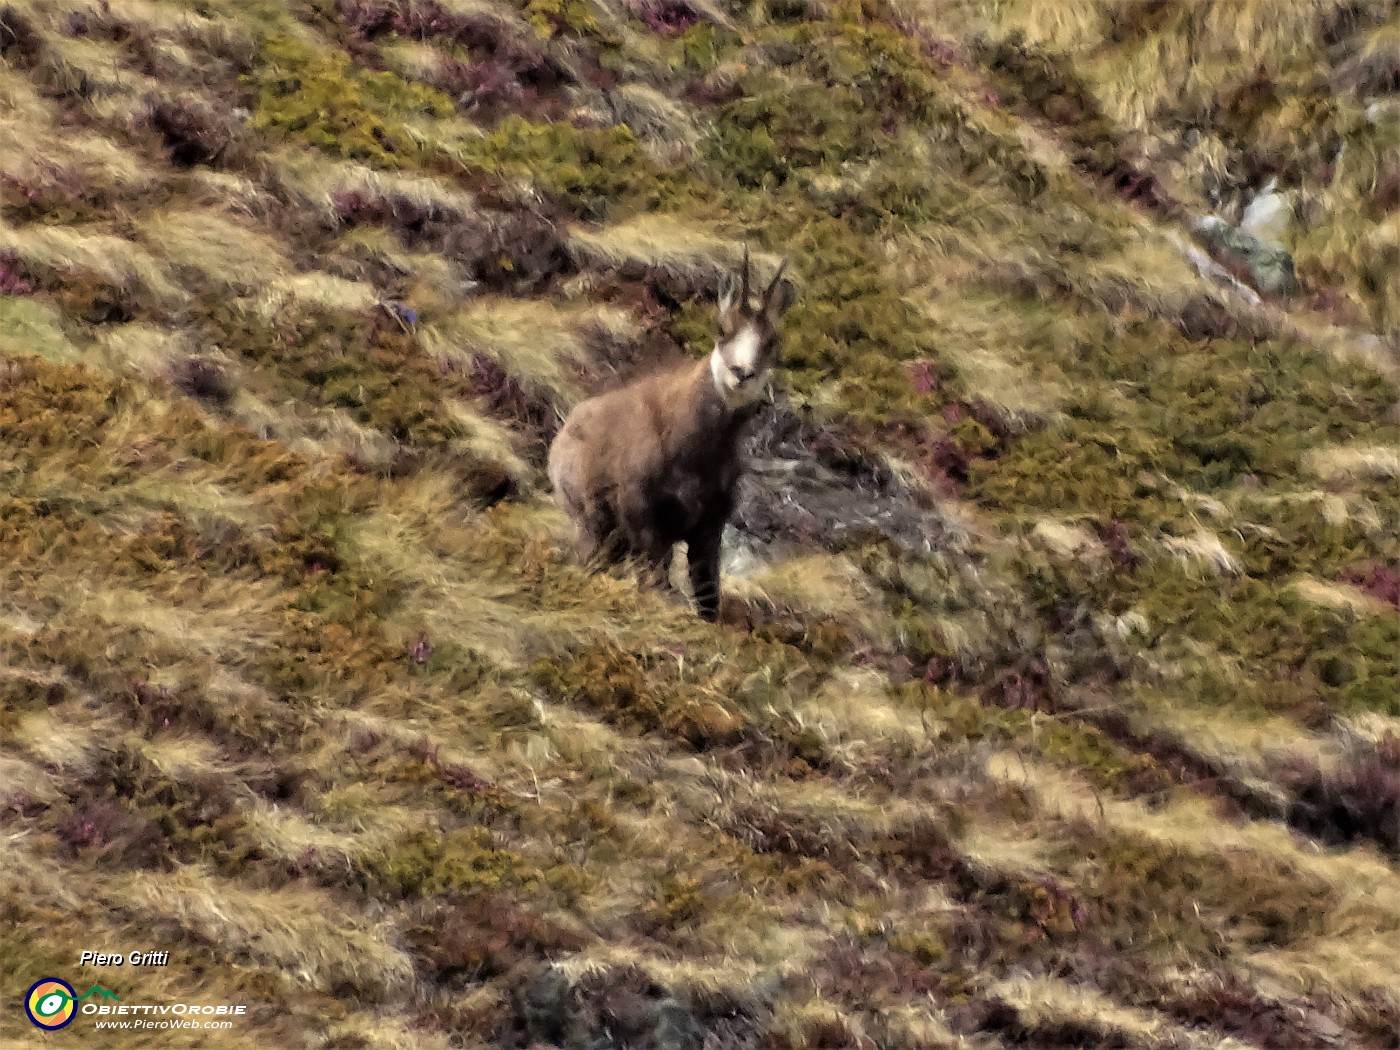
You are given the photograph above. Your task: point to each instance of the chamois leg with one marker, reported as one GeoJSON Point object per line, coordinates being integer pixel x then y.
{"type": "Point", "coordinates": [652, 549]}
{"type": "Point", "coordinates": [654, 560]}
{"type": "Point", "coordinates": [598, 545]}
{"type": "Point", "coordinates": [703, 553]}
{"type": "Point", "coordinates": [590, 550]}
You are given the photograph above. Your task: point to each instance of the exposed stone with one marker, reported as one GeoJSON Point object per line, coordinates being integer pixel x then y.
{"type": "Point", "coordinates": [1270, 266]}
{"type": "Point", "coordinates": [810, 483]}
{"type": "Point", "coordinates": [740, 554]}
{"type": "Point", "coordinates": [1208, 268]}
{"type": "Point", "coordinates": [1268, 215]}
{"type": "Point", "coordinates": [623, 1010]}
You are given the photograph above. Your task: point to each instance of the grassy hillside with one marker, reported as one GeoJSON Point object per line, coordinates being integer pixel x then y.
{"type": "Point", "coordinates": [1056, 697]}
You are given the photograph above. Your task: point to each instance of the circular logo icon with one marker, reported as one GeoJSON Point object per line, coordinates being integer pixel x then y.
{"type": "Point", "coordinates": [50, 1003]}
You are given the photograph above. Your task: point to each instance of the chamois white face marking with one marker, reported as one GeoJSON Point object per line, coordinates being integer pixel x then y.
{"type": "Point", "coordinates": [744, 354]}
{"type": "Point", "coordinates": [740, 366]}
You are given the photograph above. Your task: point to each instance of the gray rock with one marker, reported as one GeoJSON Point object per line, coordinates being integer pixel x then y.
{"type": "Point", "coordinates": [741, 554]}
{"type": "Point", "coordinates": [1270, 265]}
{"type": "Point", "coordinates": [807, 484]}
{"type": "Point", "coordinates": [1207, 267]}
{"type": "Point", "coordinates": [545, 1005]}
{"type": "Point", "coordinates": [1272, 268]}
{"type": "Point", "coordinates": [675, 1028]}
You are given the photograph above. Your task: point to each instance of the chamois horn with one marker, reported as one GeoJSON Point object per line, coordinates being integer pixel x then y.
{"type": "Point", "coordinates": [744, 286]}
{"type": "Point", "coordinates": [768, 295]}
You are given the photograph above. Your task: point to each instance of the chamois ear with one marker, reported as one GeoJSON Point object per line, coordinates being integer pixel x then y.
{"type": "Point", "coordinates": [728, 292]}
{"type": "Point", "coordinates": [780, 296]}
{"type": "Point", "coordinates": [734, 289]}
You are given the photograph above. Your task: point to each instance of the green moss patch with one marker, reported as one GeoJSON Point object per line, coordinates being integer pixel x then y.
{"type": "Point", "coordinates": [424, 863]}
{"type": "Point", "coordinates": [321, 98]}
{"type": "Point", "coordinates": [1192, 903]}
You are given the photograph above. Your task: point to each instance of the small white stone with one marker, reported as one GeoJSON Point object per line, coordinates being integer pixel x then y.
{"type": "Point", "coordinates": [1268, 214]}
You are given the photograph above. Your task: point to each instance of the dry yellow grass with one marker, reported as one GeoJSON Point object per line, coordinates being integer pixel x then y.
{"type": "Point", "coordinates": [1356, 462]}
{"type": "Point", "coordinates": [691, 252]}
{"type": "Point", "coordinates": [112, 258]}
{"type": "Point", "coordinates": [1243, 744]}
{"type": "Point", "coordinates": [855, 709]}
{"type": "Point", "coordinates": [1205, 550]}
{"type": "Point", "coordinates": [142, 348]}
{"type": "Point", "coordinates": [1068, 540]}
{"type": "Point", "coordinates": [322, 290]}
{"type": "Point", "coordinates": [315, 179]}
{"type": "Point", "coordinates": [537, 342]}
{"type": "Point", "coordinates": [301, 932]}
{"type": "Point", "coordinates": [1047, 1001]}
{"type": "Point", "coordinates": [670, 129]}
{"type": "Point", "coordinates": [464, 605]}
{"type": "Point", "coordinates": [32, 148]}
{"type": "Point", "coordinates": [1369, 888]}
{"type": "Point", "coordinates": [1340, 596]}
{"type": "Point", "coordinates": [413, 59]}
{"type": "Point", "coordinates": [228, 254]}
{"type": "Point", "coordinates": [821, 585]}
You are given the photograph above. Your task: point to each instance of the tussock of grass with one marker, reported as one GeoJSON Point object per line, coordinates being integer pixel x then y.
{"type": "Point", "coordinates": [666, 127]}
{"type": "Point", "coordinates": [298, 931]}
{"type": "Point", "coordinates": [319, 181]}
{"type": "Point", "coordinates": [1366, 885]}
{"type": "Point", "coordinates": [238, 193]}
{"type": "Point", "coordinates": [821, 587]}
{"type": "Point", "coordinates": [1204, 548]}
{"type": "Point", "coordinates": [1340, 596]}
{"type": "Point", "coordinates": [1068, 541]}
{"type": "Point", "coordinates": [860, 705]}
{"type": "Point", "coordinates": [113, 259]}
{"type": "Point", "coordinates": [490, 440]}
{"type": "Point", "coordinates": [319, 291]}
{"type": "Point", "coordinates": [540, 344]}
{"type": "Point", "coordinates": [94, 70]}
{"type": "Point", "coordinates": [438, 283]}
{"type": "Point", "coordinates": [1045, 1003]}
{"type": "Point", "coordinates": [232, 256]}
{"type": "Point", "coordinates": [1367, 461]}
{"type": "Point", "coordinates": [686, 253]}
{"type": "Point", "coordinates": [466, 606]}
{"type": "Point", "coordinates": [34, 153]}
{"type": "Point", "coordinates": [1374, 67]}
{"type": "Point", "coordinates": [1023, 400]}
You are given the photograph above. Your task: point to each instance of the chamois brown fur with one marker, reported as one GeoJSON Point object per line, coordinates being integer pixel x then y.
{"type": "Point", "coordinates": [655, 463]}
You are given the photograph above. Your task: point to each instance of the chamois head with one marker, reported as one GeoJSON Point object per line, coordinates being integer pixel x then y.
{"type": "Point", "coordinates": [746, 349]}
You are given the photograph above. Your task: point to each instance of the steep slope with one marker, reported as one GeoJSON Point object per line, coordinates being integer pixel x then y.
{"type": "Point", "coordinates": [1057, 697]}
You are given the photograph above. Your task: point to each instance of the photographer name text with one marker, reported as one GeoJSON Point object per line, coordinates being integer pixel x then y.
{"type": "Point", "coordinates": [129, 959]}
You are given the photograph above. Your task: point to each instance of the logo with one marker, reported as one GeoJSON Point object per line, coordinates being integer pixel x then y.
{"type": "Point", "coordinates": [51, 1003]}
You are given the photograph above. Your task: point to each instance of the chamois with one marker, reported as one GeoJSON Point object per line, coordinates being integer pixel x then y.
{"type": "Point", "coordinates": [643, 467]}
